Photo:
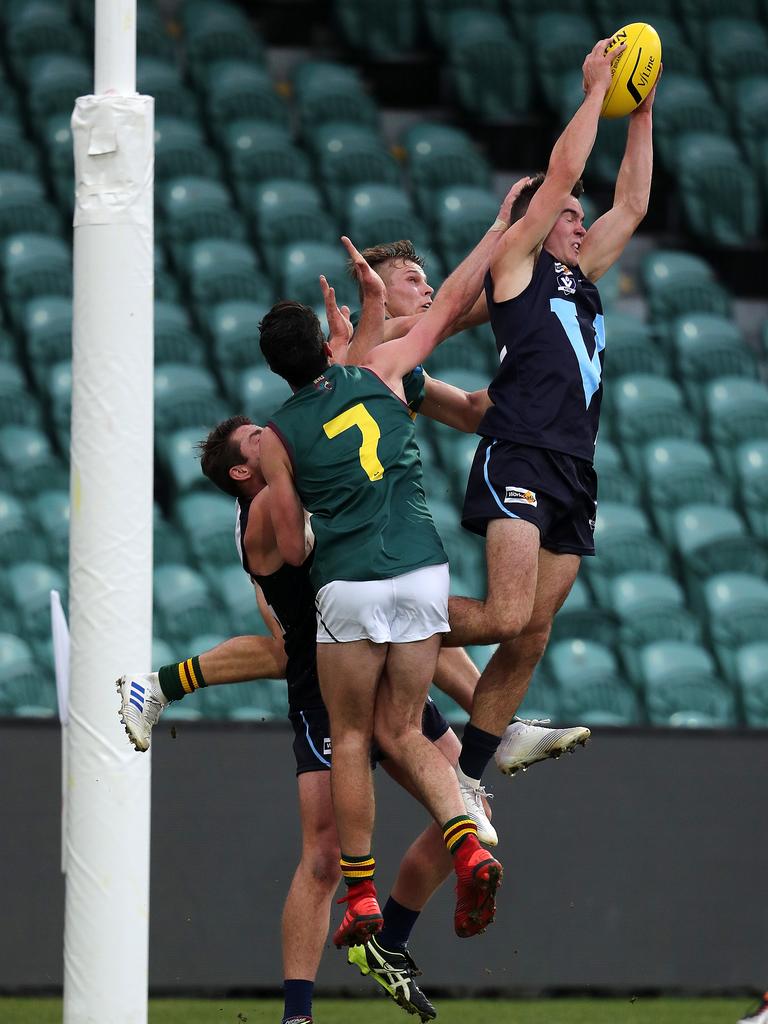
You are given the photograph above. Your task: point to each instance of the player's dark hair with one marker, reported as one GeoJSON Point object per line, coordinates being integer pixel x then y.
{"type": "Point", "coordinates": [219, 452]}
{"type": "Point", "coordinates": [527, 192]}
{"type": "Point", "coordinates": [376, 255]}
{"type": "Point", "coordinates": [292, 343]}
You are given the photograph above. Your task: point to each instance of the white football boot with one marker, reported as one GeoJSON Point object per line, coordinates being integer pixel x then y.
{"type": "Point", "coordinates": [141, 704]}
{"type": "Point", "coordinates": [523, 743]}
{"type": "Point", "coordinates": [472, 795]}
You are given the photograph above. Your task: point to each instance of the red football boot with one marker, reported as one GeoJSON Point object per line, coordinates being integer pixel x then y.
{"type": "Point", "coordinates": [363, 917]}
{"type": "Point", "coordinates": [478, 876]}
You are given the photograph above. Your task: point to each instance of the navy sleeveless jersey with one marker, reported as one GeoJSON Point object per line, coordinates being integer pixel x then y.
{"type": "Point", "coordinates": [291, 599]}
{"type": "Point", "coordinates": [550, 339]}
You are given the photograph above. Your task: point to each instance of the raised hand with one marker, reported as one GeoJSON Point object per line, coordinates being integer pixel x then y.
{"type": "Point", "coordinates": [339, 325]}
{"type": "Point", "coordinates": [505, 210]}
{"type": "Point", "coordinates": [371, 284]}
{"type": "Point", "coordinates": [597, 66]}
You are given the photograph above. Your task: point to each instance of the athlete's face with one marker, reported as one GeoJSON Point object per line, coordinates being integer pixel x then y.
{"type": "Point", "coordinates": [564, 240]}
{"type": "Point", "coordinates": [408, 291]}
{"type": "Point", "coordinates": [248, 437]}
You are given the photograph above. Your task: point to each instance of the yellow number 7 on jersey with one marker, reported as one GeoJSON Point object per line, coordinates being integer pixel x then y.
{"type": "Point", "coordinates": [358, 416]}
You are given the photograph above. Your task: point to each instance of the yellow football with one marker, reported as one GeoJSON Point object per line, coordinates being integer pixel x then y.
{"type": "Point", "coordinates": [634, 72]}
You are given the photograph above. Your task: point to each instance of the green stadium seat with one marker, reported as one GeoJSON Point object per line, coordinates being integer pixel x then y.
{"type": "Point", "coordinates": [17, 153]}
{"type": "Point", "coordinates": [348, 155]}
{"type": "Point", "coordinates": [751, 672]}
{"type": "Point", "coordinates": [285, 212]}
{"type": "Point", "coordinates": [697, 14]}
{"type": "Point", "coordinates": [236, 90]}
{"type": "Point", "coordinates": [301, 266]}
{"type": "Point", "coordinates": [589, 684]}
{"type": "Point", "coordinates": [47, 325]}
{"type": "Point", "coordinates": [718, 192]}
{"type": "Point", "coordinates": [650, 606]}
{"type": "Point", "coordinates": [751, 472]}
{"type": "Point", "coordinates": [260, 701]}
{"type": "Point", "coordinates": [221, 270]}
{"type": "Point", "coordinates": [234, 327]}
{"type": "Point", "coordinates": [633, 348]}
{"type": "Point", "coordinates": [559, 41]}
{"type": "Point", "coordinates": [463, 214]}
{"type": "Point", "coordinates": [624, 542]}
{"type": "Point", "coordinates": [438, 12]}
{"type": "Point", "coordinates": [166, 286]}
{"type": "Point", "coordinates": [198, 208]}
{"type": "Point", "coordinates": [580, 619]}
{"type": "Point", "coordinates": [455, 453]}
{"type": "Point", "coordinates": [15, 404]}
{"type": "Point", "coordinates": [737, 611]}
{"type": "Point", "coordinates": [678, 472]}
{"type": "Point", "coordinates": [615, 483]}
{"type": "Point", "coordinates": [440, 156]}
{"type": "Point", "coordinates": [679, 282]}
{"type": "Point", "coordinates": [261, 392]}
{"type": "Point", "coordinates": [207, 520]}
{"type": "Point", "coordinates": [541, 702]}
{"type": "Point", "coordinates": [378, 31]}
{"type": "Point", "coordinates": [236, 592]}
{"type": "Point", "coordinates": [180, 149]}
{"type": "Point", "coordinates": [646, 407]}
{"type": "Point", "coordinates": [465, 550]}
{"type": "Point", "coordinates": [17, 541]}
{"type": "Point", "coordinates": [681, 687]}
{"type": "Point", "coordinates": [750, 109]}
{"type": "Point", "coordinates": [735, 48]}
{"type": "Point", "coordinates": [178, 456]}
{"type": "Point", "coordinates": [169, 545]}
{"type": "Point", "coordinates": [490, 74]}
{"type": "Point", "coordinates": [737, 410]}
{"type": "Point", "coordinates": [175, 340]}
{"type": "Point", "coordinates": [24, 689]}
{"type": "Point", "coordinates": [263, 151]}
{"type": "Point", "coordinates": [26, 458]}
{"type": "Point", "coordinates": [219, 32]}
{"type": "Point", "coordinates": [162, 653]}
{"type": "Point", "coordinates": [53, 82]}
{"type": "Point", "coordinates": [51, 511]}
{"type": "Point", "coordinates": [185, 396]}
{"type": "Point", "coordinates": [152, 35]}
{"type": "Point", "coordinates": [707, 346]}
{"type": "Point", "coordinates": [471, 351]}
{"type": "Point", "coordinates": [323, 94]}
{"type": "Point", "coordinates": [162, 79]}
{"type": "Point", "coordinates": [35, 265]}
{"type": "Point", "coordinates": [39, 27]}
{"type": "Point", "coordinates": [23, 206]}
{"type": "Point", "coordinates": [184, 604]}
{"type": "Point", "coordinates": [685, 104]}
{"type": "Point", "coordinates": [714, 540]}
{"type": "Point", "coordinates": [29, 587]}
{"type": "Point", "coordinates": [377, 213]}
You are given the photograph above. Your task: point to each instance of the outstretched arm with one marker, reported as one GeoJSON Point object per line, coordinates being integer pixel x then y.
{"type": "Point", "coordinates": [339, 324]}
{"type": "Point", "coordinates": [293, 540]}
{"type": "Point", "coordinates": [566, 165]}
{"type": "Point", "coordinates": [370, 329]}
{"type": "Point", "coordinates": [606, 239]}
{"type": "Point", "coordinates": [447, 404]}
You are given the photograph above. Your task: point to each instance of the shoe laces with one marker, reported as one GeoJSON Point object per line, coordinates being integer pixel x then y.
{"type": "Point", "coordinates": [534, 721]}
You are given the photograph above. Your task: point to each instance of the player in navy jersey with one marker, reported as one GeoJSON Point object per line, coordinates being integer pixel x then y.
{"type": "Point", "coordinates": [532, 489]}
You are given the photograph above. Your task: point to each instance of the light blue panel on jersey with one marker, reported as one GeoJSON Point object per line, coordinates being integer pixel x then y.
{"type": "Point", "coordinates": [591, 370]}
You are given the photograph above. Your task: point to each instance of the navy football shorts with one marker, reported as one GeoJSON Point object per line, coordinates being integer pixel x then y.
{"type": "Point", "coordinates": [312, 736]}
{"type": "Point", "coordinates": [555, 492]}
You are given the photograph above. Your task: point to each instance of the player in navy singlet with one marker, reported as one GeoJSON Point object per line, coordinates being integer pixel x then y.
{"type": "Point", "coordinates": [532, 489]}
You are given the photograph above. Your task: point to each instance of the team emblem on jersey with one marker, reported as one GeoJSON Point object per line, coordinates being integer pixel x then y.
{"type": "Point", "coordinates": [520, 496]}
{"type": "Point", "coordinates": [566, 282]}
{"type": "Point", "coordinates": [323, 384]}
{"type": "Point", "coordinates": [326, 746]}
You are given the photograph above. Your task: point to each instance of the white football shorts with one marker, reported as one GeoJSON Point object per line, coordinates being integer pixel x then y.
{"type": "Point", "coordinates": [400, 610]}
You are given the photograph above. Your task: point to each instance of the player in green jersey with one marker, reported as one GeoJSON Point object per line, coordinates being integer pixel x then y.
{"type": "Point", "coordinates": [343, 445]}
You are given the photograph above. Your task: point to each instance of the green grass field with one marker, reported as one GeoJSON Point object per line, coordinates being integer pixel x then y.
{"type": "Point", "coordinates": [381, 1011]}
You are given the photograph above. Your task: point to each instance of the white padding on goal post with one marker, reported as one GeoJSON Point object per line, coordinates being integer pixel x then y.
{"type": "Point", "coordinates": [110, 581]}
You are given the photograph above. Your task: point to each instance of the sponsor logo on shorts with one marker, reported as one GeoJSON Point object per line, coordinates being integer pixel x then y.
{"type": "Point", "coordinates": [520, 496]}
{"type": "Point", "coordinates": [326, 746]}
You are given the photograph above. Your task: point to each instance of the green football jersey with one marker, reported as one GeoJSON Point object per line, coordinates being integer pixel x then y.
{"type": "Point", "coordinates": [358, 471]}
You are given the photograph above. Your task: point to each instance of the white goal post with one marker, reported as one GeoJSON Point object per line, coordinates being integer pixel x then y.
{"type": "Point", "coordinates": [106, 837]}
